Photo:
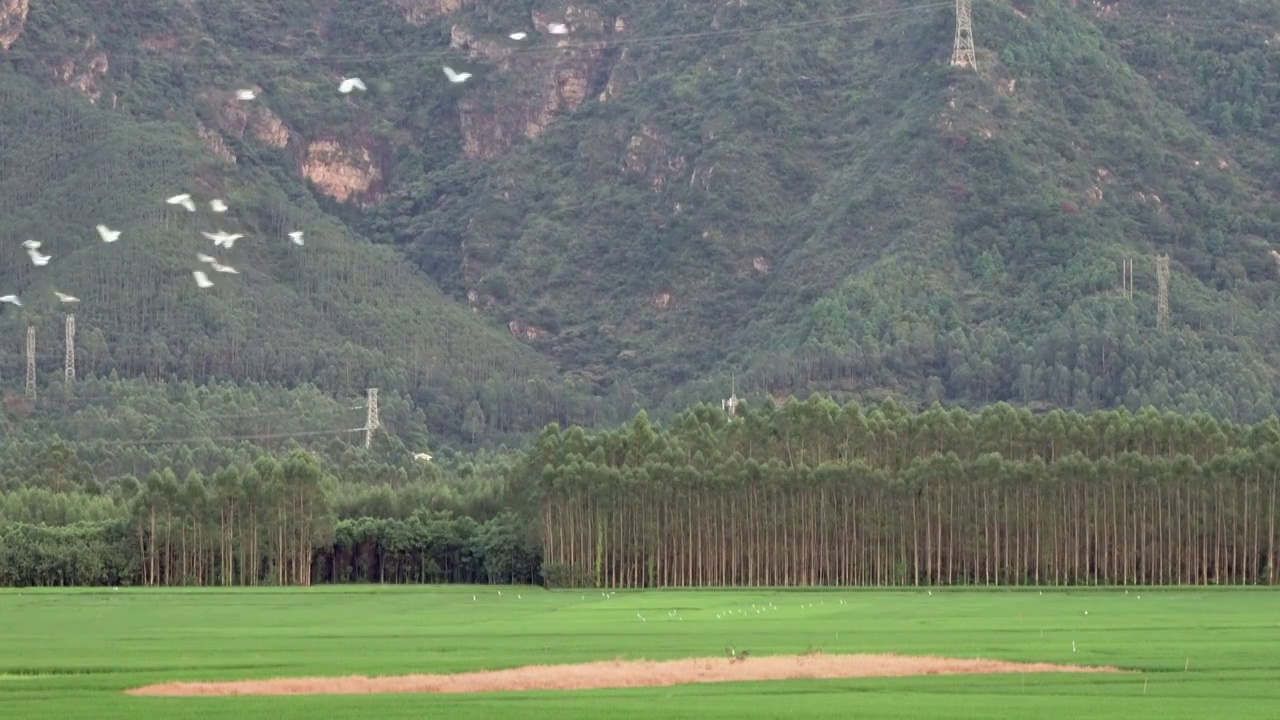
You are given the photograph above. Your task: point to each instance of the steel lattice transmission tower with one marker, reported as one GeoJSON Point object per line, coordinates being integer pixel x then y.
{"type": "Point", "coordinates": [371, 420]}
{"type": "Point", "coordinates": [31, 362]}
{"type": "Point", "coordinates": [963, 55]}
{"type": "Point", "coordinates": [1162, 298]}
{"type": "Point", "coordinates": [730, 405]}
{"type": "Point", "coordinates": [70, 365]}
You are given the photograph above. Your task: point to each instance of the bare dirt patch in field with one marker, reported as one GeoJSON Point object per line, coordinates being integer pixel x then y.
{"type": "Point", "coordinates": [620, 674]}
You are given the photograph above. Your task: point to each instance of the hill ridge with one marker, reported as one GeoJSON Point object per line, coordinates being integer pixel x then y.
{"type": "Point", "coordinates": [807, 198]}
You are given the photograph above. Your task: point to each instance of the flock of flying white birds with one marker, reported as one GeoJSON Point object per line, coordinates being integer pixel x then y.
{"type": "Point", "coordinates": [225, 239]}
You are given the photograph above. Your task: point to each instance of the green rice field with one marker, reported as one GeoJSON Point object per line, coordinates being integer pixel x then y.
{"type": "Point", "coordinates": [1196, 653]}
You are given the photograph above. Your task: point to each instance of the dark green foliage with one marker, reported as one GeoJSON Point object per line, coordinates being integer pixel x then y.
{"type": "Point", "coordinates": [809, 493]}
{"type": "Point", "coordinates": [85, 553]}
{"type": "Point", "coordinates": [815, 493]}
{"type": "Point", "coordinates": [262, 520]}
{"type": "Point", "coordinates": [921, 232]}
{"type": "Point", "coordinates": [340, 313]}
{"type": "Point", "coordinates": [803, 193]}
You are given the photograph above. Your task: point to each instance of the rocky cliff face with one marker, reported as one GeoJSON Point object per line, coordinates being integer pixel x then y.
{"type": "Point", "coordinates": [13, 16]}
{"type": "Point", "coordinates": [420, 12]}
{"type": "Point", "coordinates": [345, 171]}
{"type": "Point", "coordinates": [340, 165]}
{"type": "Point", "coordinates": [214, 144]}
{"type": "Point", "coordinates": [514, 97]}
{"type": "Point", "coordinates": [236, 117]}
{"type": "Point", "coordinates": [82, 63]}
{"type": "Point", "coordinates": [83, 73]}
{"type": "Point", "coordinates": [649, 155]}
{"type": "Point", "coordinates": [550, 84]}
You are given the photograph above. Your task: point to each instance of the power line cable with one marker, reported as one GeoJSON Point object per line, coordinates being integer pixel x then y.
{"type": "Point", "coordinates": [197, 440]}
{"type": "Point", "coordinates": [228, 438]}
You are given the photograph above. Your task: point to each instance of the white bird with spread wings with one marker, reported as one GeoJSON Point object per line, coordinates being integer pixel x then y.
{"type": "Point", "coordinates": [184, 200]}
{"type": "Point", "coordinates": [456, 77]}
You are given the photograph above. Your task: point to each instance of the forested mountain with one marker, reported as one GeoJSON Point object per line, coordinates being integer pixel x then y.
{"type": "Point", "coordinates": [804, 194]}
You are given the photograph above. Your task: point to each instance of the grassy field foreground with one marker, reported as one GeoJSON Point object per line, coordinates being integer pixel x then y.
{"type": "Point", "coordinates": [1202, 653]}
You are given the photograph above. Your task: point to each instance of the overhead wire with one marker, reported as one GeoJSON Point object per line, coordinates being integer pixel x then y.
{"type": "Point", "coordinates": [218, 439]}
{"type": "Point", "coordinates": [194, 414]}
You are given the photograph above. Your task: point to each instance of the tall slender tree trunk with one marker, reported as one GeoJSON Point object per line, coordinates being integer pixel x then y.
{"type": "Point", "coordinates": [154, 576]}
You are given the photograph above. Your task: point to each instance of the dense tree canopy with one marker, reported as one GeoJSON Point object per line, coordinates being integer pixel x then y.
{"type": "Point", "coordinates": [806, 493]}
{"type": "Point", "coordinates": [276, 520]}
{"type": "Point", "coordinates": [810, 195]}
{"type": "Point", "coordinates": [679, 198]}
{"type": "Point", "coordinates": [813, 493]}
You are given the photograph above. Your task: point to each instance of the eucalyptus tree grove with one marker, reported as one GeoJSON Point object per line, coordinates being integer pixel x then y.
{"type": "Point", "coordinates": [294, 520]}
{"type": "Point", "coordinates": [813, 493]}
{"type": "Point", "coordinates": [808, 493]}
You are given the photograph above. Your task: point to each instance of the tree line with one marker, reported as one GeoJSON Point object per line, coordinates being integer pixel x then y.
{"type": "Point", "coordinates": [276, 521]}
{"type": "Point", "coordinates": [813, 493]}
{"type": "Point", "coordinates": [805, 493]}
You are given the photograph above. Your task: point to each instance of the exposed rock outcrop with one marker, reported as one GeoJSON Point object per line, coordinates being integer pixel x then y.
{"type": "Point", "coordinates": [214, 143]}
{"type": "Point", "coordinates": [614, 84]}
{"type": "Point", "coordinates": [162, 43]}
{"type": "Point", "coordinates": [236, 117]}
{"type": "Point", "coordinates": [649, 154]}
{"type": "Point", "coordinates": [490, 49]}
{"type": "Point", "coordinates": [344, 172]}
{"type": "Point", "coordinates": [419, 12]}
{"type": "Point", "coordinates": [525, 330]}
{"type": "Point", "coordinates": [490, 126]}
{"type": "Point", "coordinates": [268, 127]}
{"type": "Point", "coordinates": [551, 85]}
{"type": "Point", "coordinates": [83, 74]}
{"type": "Point", "coordinates": [13, 17]}
{"type": "Point", "coordinates": [578, 20]}
{"type": "Point", "coordinates": [478, 302]}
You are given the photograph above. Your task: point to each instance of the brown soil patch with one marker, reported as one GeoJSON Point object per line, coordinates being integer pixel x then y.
{"type": "Point", "coordinates": [620, 674]}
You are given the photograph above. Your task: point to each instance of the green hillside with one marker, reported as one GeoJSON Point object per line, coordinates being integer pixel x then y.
{"type": "Point", "coordinates": [339, 312]}
{"type": "Point", "coordinates": [829, 205]}
{"type": "Point", "coordinates": [803, 194]}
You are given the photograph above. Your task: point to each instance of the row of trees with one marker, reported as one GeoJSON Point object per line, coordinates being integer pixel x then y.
{"type": "Point", "coordinates": [271, 522]}
{"type": "Point", "coordinates": [818, 431]}
{"type": "Point", "coordinates": [1136, 520]}
{"type": "Point", "coordinates": [426, 548]}
{"type": "Point", "coordinates": [805, 495]}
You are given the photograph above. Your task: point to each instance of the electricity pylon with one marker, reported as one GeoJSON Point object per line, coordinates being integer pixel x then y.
{"type": "Point", "coordinates": [1162, 298]}
{"type": "Point", "coordinates": [70, 365]}
{"type": "Point", "coordinates": [31, 362]}
{"type": "Point", "coordinates": [963, 55]}
{"type": "Point", "coordinates": [731, 404]}
{"type": "Point", "coordinates": [371, 420]}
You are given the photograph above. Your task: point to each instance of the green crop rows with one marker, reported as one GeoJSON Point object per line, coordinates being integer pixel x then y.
{"type": "Point", "coordinates": [1196, 653]}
